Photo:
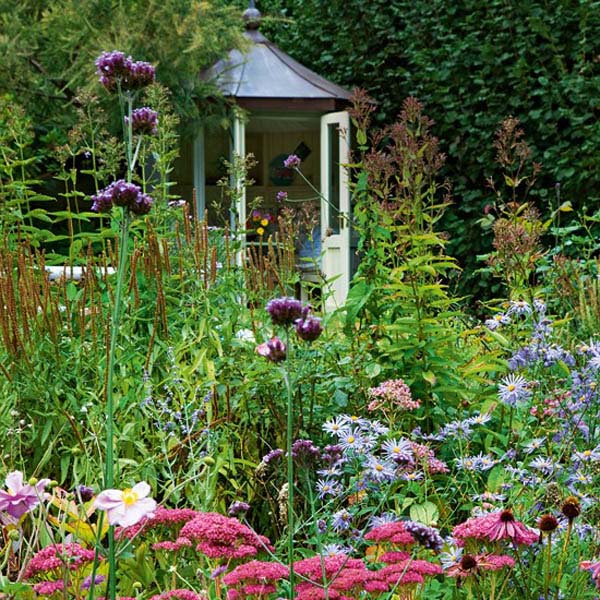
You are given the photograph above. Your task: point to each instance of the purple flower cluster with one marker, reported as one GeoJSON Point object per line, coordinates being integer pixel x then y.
{"type": "Point", "coordinates": [117, 70]}
{"type": "Point", "coordinates": [428, 537]}
{"type": "Point", "coordinates": [292, 161]}
{"type": "Point", "coordinates": [281, 196]}
{"type": "Point", "coordinates": [285, 311]}
{"type": "Point", "coordinates": [143, 121]}
{"type": "Point", "coordinates": [121, 193]}
{"type": "Point", "coordinates": [274, 350]}
{"type": "Point", "coordinates": [308, 328]}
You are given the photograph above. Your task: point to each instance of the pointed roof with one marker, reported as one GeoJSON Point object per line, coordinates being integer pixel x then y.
{"type": "Point", "coordinates": [266, 77]}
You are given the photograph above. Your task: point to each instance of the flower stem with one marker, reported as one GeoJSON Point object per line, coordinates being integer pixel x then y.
{"type": "Point", "coordinates": [109, 472]}
{"type": "Point", "coordinates": [290, 478]}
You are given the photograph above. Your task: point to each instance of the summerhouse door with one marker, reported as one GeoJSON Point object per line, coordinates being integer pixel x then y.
{"type": "Point", "coordinates": [335, 207]}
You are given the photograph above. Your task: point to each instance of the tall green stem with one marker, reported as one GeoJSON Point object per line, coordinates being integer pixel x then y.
{"type": "Point", "coordinates": [290, 478]}
{"type": "Point", "coordinates": [109, 473]}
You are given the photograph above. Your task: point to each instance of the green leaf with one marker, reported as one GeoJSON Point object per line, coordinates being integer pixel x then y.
{"type": "Point", "coordinates": [426, 513]}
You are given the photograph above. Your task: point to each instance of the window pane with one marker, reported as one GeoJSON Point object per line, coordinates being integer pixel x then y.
{"type": "Point", "coordinates": [334, 177]}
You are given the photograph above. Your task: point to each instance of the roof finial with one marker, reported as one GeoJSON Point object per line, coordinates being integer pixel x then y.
{"type": "Point", "coordinates": [252, 16]}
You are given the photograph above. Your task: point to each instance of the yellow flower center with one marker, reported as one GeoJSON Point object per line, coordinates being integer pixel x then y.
{"type": "Point", "coordinates": [396, 450]}
{"type": "Point", "coordinates": [260, 231]}
{"type": "Point", "coordinates": [351, 439]}
{"type": "Point", "coordinates": [511, 387]}
{"type": "Point", "coordinates": [379, 468]}
{"type": "Point", "coordinates": [129, 497]}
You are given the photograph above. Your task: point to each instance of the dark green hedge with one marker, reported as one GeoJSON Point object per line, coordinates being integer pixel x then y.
{"type": "Point", "coordinates": [471, 63]}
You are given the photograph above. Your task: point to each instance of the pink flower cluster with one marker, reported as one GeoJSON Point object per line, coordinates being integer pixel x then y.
{"type": "Point", "coordinates": [58, 557]}
{"type": "Point", "coordinates": [348, 577]}
{"type": "Point", "coordinates": [254, 578]}
{"type": "Point", "coordinates": [218, 536]}
{"type": "Point", "coordinates": [180, 594]}
{"type": "Point", "coordinates": [496, 526]}
{"type": "Point", "coordinates": [425, 456]}
{"type": "Point", "coordinates": [393, 533]}
{"type": "Point", "coordinates": [168, 518]}
{"type": "Point", "coordinates": [393, 393]}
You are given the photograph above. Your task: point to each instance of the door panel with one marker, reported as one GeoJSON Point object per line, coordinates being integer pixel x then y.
{"type": "Point", "coordinates": [335, 206]}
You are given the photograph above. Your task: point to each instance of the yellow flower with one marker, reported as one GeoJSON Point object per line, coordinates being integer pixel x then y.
{"type": "Point", "coordinates": [264, 222]}
{"type": "Point", "coordinates": [260, 231]}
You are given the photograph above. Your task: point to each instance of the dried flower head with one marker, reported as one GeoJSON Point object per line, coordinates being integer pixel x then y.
{"type": "Point", "coordinates": [547, 523]}
{"type": "Point", "coordinates": [571, 507]}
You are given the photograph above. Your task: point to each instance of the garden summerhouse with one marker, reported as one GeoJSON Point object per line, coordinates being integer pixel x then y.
{"type": "Point", "coordinates": [285, 109]}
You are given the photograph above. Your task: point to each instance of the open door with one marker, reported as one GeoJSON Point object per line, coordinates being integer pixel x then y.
{"type": "Point", "coordinates": [335, 207]}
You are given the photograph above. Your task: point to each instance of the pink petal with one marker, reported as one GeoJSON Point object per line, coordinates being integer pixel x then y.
{"type": "Point", "coordinates": [14, 481]}
{"type": "Point", "coordinates": [142, 489]}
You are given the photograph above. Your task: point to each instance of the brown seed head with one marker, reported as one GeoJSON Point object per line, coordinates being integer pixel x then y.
{"type": "Point", "coordinates": [571, 507]}
{"type": "Point", "coordinates": [547, 523]}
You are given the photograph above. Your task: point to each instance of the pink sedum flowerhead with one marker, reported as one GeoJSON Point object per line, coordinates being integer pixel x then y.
{"type": "Point", "coordinates": [126, 507]}
{"type": "Point", "coordinates": [20, 498]}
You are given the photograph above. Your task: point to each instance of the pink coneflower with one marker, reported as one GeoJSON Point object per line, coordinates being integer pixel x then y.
{"type": "Point", "coordinates": [494, 527]}
{"type": "Point", "coordinates": [503, 525]}
{"type": "Point", "coordinates": [471, 565]}
{"type": "Point", "coordinates": [593, 568]}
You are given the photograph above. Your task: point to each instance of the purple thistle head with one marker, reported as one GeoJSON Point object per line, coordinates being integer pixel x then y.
{"type": "Point", "coordinates": [292, 161]}
{"type": "Point", "coordinates": [143, 121]}
{"type": "Point", "coordinates": [116, 68]}
{"type": "Point", "coordinates": [309, 328]}
{"type": "Point", "coordinates": [284, 311]}
{"type": "Point", "coordinates": [281, 196]}
{"type": "Point", "coordinates": [274, 350]}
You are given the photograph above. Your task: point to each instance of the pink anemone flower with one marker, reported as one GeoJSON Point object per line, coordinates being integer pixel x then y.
{"type": "Point", "coordinates": [19, 498]}
{"type": "Point", "coordinates": [126, 507]}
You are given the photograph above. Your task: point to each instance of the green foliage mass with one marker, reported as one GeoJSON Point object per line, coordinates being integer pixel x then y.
{"type": "Point", "coordinates": [48, 46]}
{"type": "Point", "coordinates": [472, 64]}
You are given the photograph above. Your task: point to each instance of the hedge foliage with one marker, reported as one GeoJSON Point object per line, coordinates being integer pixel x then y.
{"type": "Point", "coordinates": [471, 63]}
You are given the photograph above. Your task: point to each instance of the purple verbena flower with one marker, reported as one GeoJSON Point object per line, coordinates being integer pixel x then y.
{"type": "Point", "coordinates": [238, 508]}
{"type": "Point", "coordinates": [122, 193]}
{"type": "Point", "coordinates": [274, 350]}
{"type": "Point", "coordinates": [143, 121]}
{"type": "Point", "coordinates": [284, 311]}
{"type": "Point", "coordinates": [308, 328]}
{"type": "Point", "coordinates": [117, 70]}
{"type": "Point", "coordinates": [281, 196]}
{"type": "Point", "coordinates": [292, 161]}
{"type": "Point", "coordinates": [428, 537]}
